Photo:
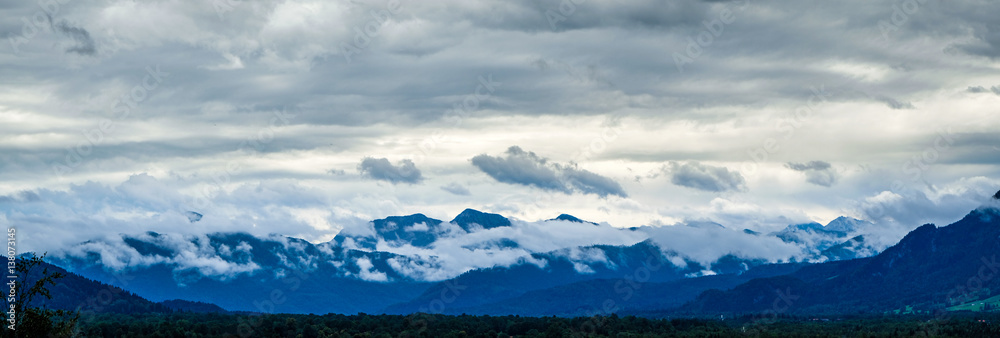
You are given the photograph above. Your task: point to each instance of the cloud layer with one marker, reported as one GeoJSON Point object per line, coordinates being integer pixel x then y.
{"type": "Point", "coordinates": [122, 116]}
{"type": "Point", "coordinates": [817, 172]}
{"type": "Point", "coordinates": [517, 166]}
{"type": "Point", "coordinates": [381, 169]}
{"type": "Point", "coordinates": [705, 177]}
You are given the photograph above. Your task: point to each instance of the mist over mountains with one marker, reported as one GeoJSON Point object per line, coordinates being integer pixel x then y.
{"type": "Point", "coordinates": [419, 248]}
{"type": "Point", "coordinates": [698, 161]}
{"type": "Point", "coordinates": [486, 264]}
{"type": "Point", "coordinates": [392, 262]}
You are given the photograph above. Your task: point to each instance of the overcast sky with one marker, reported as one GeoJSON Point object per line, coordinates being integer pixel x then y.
{"type": "Point", "coordinates": [302, 117]}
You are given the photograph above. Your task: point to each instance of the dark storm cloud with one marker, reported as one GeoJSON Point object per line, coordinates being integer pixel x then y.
{"type": "Point", "coordinates": [432, 82]}
{"type": "Point", "coordinates": [595, 59]}
{"type": "Point", "coordinates": [980, 147]}
{"type": "Point", "coordinates": [977, 89]}
{"type": "Point", "coordinates": [381, 169]}
{"type": "Point", "coordinates": [517, 166]}
{"type": "Point", "coordinates": [916, 207]}
{"type": "Point", "coordinates": [705, 177]}
{"type": "Point", "coordinates": [812, 165]}
{"type": "Point", "coordinates": [817, 172]}
{"type": "Point", "coordinates": [987, 41]}
{"type": "Point", "coordinates": [559, 15]}
{"type": "Point", "coordinates": [520, 167]}
{"type": "Point", "coordinates": [591, 183]}
{"type": "Point", "coordinates": [84, 43]}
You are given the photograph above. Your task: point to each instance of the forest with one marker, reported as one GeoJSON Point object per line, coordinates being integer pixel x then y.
{"type": "Point", "coordinates": [187, 324]}
{"type": "Point", "coordinates": [132, 316]}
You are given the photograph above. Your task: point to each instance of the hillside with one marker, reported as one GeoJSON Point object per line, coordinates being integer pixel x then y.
{"type": "Point", "coordinates": [929, 269]}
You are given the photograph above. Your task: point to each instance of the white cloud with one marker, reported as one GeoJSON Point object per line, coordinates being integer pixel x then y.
{"type": "Point", "coordinates": [422, 226]}
{"type": "Point", "coordinates": [705, 245]}
{"type": "Point", "coordinates": [705, 177]}
{"type": "Point", "coordinates": [368, 271]}
{"type": "Point", "coordinates": [183, 253]}
{"type": "Point", "coordinates": [209, 131]}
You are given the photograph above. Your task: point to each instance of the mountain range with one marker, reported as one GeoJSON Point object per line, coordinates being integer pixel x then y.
{"type": "Point", "coordinates": [482, 263]}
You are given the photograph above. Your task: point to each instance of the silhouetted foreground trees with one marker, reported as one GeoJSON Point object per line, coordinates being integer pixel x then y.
{"type": "Point", "coordinates": [132, 316]}
{"type": "Point", "coordinates": [423, 325]}
{"type": "Point", "coordinates": [29, 286]}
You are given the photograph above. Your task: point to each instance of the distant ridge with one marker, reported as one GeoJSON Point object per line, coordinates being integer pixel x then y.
{"type": "Point", "coordinates": [930, 261]}
{"type": "Point", "coordinates": [571, 218]}
{"type": "Point", "coordinates": [189, 306]}
{"type": "Point", "coordinates": [358, 271]}
{"type": "Point", "coordinates": [468, 217]}
{"type": "Point", "coordinates": [74, 292]}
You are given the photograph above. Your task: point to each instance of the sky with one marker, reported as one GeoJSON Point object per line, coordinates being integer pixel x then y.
{"type": "Point", "coordinates": [302, 118]}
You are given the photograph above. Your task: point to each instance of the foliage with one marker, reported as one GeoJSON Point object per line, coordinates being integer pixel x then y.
{"type": "Point", "coordinates": [426, 325]}
{"type": "Point", "coordinates": [30, 285]}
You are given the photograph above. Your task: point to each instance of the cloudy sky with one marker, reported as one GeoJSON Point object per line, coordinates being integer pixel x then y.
{"type": "Point", "coordinates": [303, 117]}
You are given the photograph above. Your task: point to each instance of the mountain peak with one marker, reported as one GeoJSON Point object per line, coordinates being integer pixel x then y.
{"type": "Point", "coordinates": [705, 225]}
{"type": "Point", "coordinates": [193, 216]}
{"type": "Point", "coordinates": [468, 217]}
{"type": "Point", "coordinates": [395, 223]}
{"type": "Point", "coordinates": [416, 229]}
{"type": "Point", "coordinates": [570, 218]}
{"type": "Point", "coordinates": [997, 195]}
{"type": "Point", "coordinates": [812, 226]}
{"type": "Point", "coordinates": [845, 224]}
